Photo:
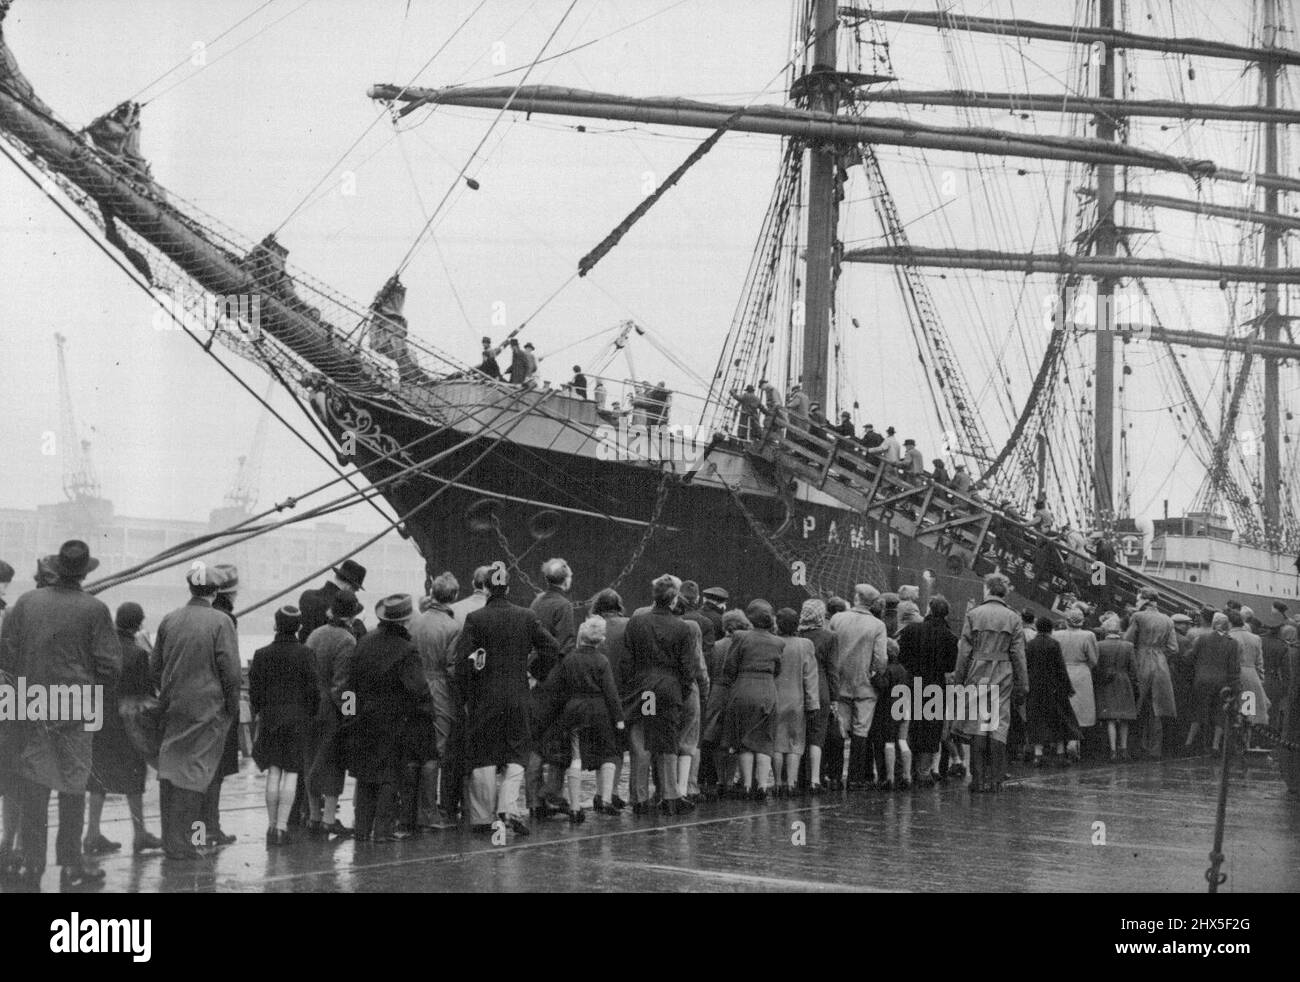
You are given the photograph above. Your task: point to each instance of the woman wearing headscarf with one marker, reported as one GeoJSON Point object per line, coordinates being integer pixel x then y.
{"type": "Point", "coordinates": [749, 723]}
{"type": "Point", "coordinates": [1254, 704]}
{"type": "Point", "coordinates": [719, 696]}
{"type": "Point", "coordinates": [1079, 648]}
{"type": "Point", "coordinates": [1116, 679]}
{"type": "Point", "coordinates": [1217, 659]}
{"type": "Point", "coordinates": [283, 695]}
{"type": "Point", "coordinates": [796, 697]}
{"type": "Point", "coordinates": [1288, 757]}
{"type": "Point", "coordinates": [117, 767]}
{"type": "Point", "coordinates": [812, 625]}
{"type": "Point", "coordinates": [1049, 718]}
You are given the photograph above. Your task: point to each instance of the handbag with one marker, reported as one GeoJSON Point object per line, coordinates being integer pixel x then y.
{"type": "Point", "coordinates": [143, 722]}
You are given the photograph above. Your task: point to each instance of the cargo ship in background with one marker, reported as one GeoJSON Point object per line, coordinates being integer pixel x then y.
{"type": "Point", "coordinates": [476, 469]}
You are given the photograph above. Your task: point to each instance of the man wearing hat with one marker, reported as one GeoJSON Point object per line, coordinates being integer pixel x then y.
{"type": "Point", "coordinates": [58, 636]}
{"type": "Point", "coordinates": [1152, 634]}
{"type": "Point", "coordinates": [227, 577]}
{"type": "Point", "coordinates": [912, 463]}
{"type": "Point", "coordinates": [888, 449]}
{"type": "Point", "coordinates": [798, 402]}
{"type": "Point", "coordinates": [713, 607]}
{"type": "Point", "coordinates": [961, 479]}
{"type": "Point", "coordinates": [845, 426]}
{"type": "Point", "coordinates": [870, 438]}
{"type": "Point", "coordinates": [196, 667]}
{"type": "Point", "coordinates": [332, 645]}
{"type": "Point", "coordinates": [491, 681]}
{"type": "Point", "coordinates": [1271, 623]}
{"type": "Point", "coordinates": [315, 604]}
{"type": "Point", "coordinates": [488, 365]}
{"type": "Point", "coordinates": [435, 632]}
{"type": "Point", "coordinates": [394, 711]}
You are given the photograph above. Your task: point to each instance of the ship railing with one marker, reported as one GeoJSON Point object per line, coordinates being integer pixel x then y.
{"type": "Point", "coordinates": [961, 526]}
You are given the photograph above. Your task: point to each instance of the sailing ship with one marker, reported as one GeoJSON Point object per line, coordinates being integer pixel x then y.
{"type": "Point", "coordinates": [477, 469]}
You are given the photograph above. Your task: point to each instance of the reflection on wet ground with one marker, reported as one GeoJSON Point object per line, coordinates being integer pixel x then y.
{"type": "Point", "coordinates": [1135, 827]}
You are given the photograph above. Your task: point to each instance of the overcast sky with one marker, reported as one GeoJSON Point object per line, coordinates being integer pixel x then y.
{"type": "Point", "coordinates": [246, 137]}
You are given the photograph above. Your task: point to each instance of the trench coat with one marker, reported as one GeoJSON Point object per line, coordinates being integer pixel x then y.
{"type": "Point", "coordinates": [1049, 717]}
{"type": "Point", "coordinates": [797, 695]}
{"type": "Point", "coordinates": [928, 651]}
{"type": "Point", "coordinates": [498, 710]}
{"type": "Point", "coordinates": [1079, 648]}
{"type": "Point", "coordinates": [58, 635]}
{"type": "Point", "coordinates": [991, 651]}
{"type": "Point", "coordinates": [1156, 640]}
{"type": "Point", "coordinates": [195, 665]}
{"type": "Point", "coordinates": [394, 710]}
{"type": "Point", "coordinates": [1251, 650]}
{"type": "Point", "coordinates": [752, 667]}
{"type": "Point", "coordinates": [435, 633]}
{"type": "Point", "coordinates": [663, 661]}
{"type": "Point", "coordinates": [1116, 679]}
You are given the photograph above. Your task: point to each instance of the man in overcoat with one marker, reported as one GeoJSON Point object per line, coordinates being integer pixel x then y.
{"type": "Point", "coordinates": [492, 655]}
{"type": "Point", "coordinates": [663, 661]}
{"type": "Point", "coordinates": [59, 636]}
{"type": "Point", "coordinates": [315, 604]}
{"type": "Point", "coordinates": [862, 653]}
{"type": "Point", "coordinates": [195, 666]}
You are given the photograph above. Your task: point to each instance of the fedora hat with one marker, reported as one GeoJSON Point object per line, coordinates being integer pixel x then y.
{"type": "Point", "coordinates": [352, 573]}
{"type": "Point", "coordinates": [716, 593]}
{"type": "Point", "coordinates": [227, 577]}
{"type": "Point", "coordinates": [395, 608]}
{"type": "Point", "coordinates": [345, 605]}
{"type": "Point", "coordinates": [73, 559]}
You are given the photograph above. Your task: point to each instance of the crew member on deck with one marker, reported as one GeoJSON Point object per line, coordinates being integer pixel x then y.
{"type": "Point", "coordinates": [579, 383]}
{"type": "Point", "coordinates": [488, 365]}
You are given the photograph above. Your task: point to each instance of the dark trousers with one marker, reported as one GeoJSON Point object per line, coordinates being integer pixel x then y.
{"type": "Point", "coordinates": [210, 814]}
{"type": "Point", "coordinates": [708, 776]}
{"type": "Point", "coordinates": [34, 805]}
{"type": "Point", "coordinates": [832, 755]}
{"type": "Point", "coordinates": [182, 810]}
{"type": "Point", "coordinates": [418, 794]}
{"type": "Point", "coordinates": [375, 809]}
{"type": "Point", "coordinates": [452, 776]}
{"type": "Point", "coordinates": [859, 761]}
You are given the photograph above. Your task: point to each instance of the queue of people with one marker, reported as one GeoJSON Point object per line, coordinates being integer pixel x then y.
{"type": "Point", "coordinates": [476, 710]}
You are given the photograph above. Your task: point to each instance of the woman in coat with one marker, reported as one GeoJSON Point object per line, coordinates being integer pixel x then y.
{"type": "Point", "coordinates": [582, 701]}
{"type": "Point", "coordinates": [1217, 657]}
{"type": "Point", "coordinates": [1049, 717]}
{"type": "Point", "coordinates": [796, 698]}
{"type": "Point", "coordinates": [389, 689]}
{"type": "Point", "coordinates": [1079, 648]}
{"type": "Point", "coordinates": [928, 651]}
{"type": "Point", "coordinates": [749, 723]}
{"type": "Point", "coordinates": [283, 695]}
{"type": "Point", "coordinates": [1254, 704]}
{"type": "Point", "coordinates": [333, 645]}
{"type": "Point", "coordinates": [812, 625]}
{"type": "Point", "coordinates": [1116, 679]}
{"type": "Point", "coordinates": [117, 766]}
{"type": "Point", "coordinates": [719, 696]}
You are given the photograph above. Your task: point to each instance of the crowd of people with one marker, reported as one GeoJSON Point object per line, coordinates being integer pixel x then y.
{"type": "Point", "coordinates": [473, 709]}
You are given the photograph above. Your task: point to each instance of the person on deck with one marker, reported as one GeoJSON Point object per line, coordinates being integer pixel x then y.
{"type": "Point", "coordinates": [1156, 641]}
{"type": "Point", "coordinates": [845, 426]}
{"type": "Point", "coordinates": [870, 438]}
{"type": "Point", "coordinates": [663, 664]}
{"type": "Point", "coordinates": [911, 462]}
{"type": "Point", "coordinates": [1044, 521]}
{"type": "Point", "coordinates": [518, 363]}
{"type": "Point", "coordinates": [961, 480]}
{"type": "Point", "coordinates": [579, 383]}
{"type": "Point", "coordinates": [59, 636]}
{"type": "Point", "coordinates": [750, 423]}
{"type": "Point", "coordinates": [492, 655]}
{"type": "Point", "coordinates": [991, 651]}
{"type": "Point", "coordinates": [940, 473]}
{"type": "Point", "coordinates": [798, 403]}
{"type": "Point", "coordinates": [888, 449]}
{"type": "Point", "coordinates": [282, 690]}
{"type": "Point", "coordinates": [195, 667]}
{"type": "Point", "coordinates": [530, 364]}
{"type": "Point", "coordinates": [117, 766]}
{"type": "Point", "coordinates": [488, 361]}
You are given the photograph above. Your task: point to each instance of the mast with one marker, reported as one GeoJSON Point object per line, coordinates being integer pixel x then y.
{"type": "Point", "coordinates": [823, 96]}
{"type": "Point", "coordinates": [1269, 68]}
{"type": "Point", "coordinates": [1105, 241]}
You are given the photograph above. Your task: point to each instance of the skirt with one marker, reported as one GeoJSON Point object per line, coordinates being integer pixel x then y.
{"type": "Point", "coordinates": [1082, 702]}
{"type": "Point", "coordinates": [815, 724]}
{"type": "Point", "coordinates": [1115, 698]}
{"type": "Point", "coordinates": [1257, 702]}
{"type": "Point", "coordinates": [281, 744]}
{"type": "Point", "coordinates": [749, 723]}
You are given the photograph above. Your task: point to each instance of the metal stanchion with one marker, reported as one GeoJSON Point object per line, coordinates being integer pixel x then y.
{"type": "Point", "coordinates": [1231, 724]}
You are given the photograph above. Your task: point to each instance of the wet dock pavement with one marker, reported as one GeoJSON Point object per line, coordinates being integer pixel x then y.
{"type": "Point", "coordinates": [1144, 827]}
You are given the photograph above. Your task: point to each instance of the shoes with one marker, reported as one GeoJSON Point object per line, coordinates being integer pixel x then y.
{"type": "Point", "coordinates": [904, 784]}
{"type": "Point", "coordinates": [617, 802]}
{"type": "Point", "coordinates": [956, 770]}
{"type": "Point", "coordinates": [338, 830]}
{"type": "Point", "coordinates": [516, 825]}
{"type": "Point", "coordinates": [99, 846]}
{"type": "Point", "coordinates": [316, 829]}
{"type": "Point", "coordinates": [147, 842]}
{"type": "Point", "coordinates": [223, 839]}
{"type": "Point", "coordinates": [1123, 754]}
{"type": "Point", "coordinates": [600, 808]}
{"type": "Point", "coordinates": [759, 795]}
{"type": "Point", "coordinates": [641, 808]}
{"type": "Point", "coordinates": [885, 785]}
{"type": "Point", "coordinates": [814, 790]}
{"type": "Point", "coordinates": [71, 877]}
{"type": "Point", "coordinates": [481, 829]}
{"type": "Point", "coordinates": [577, 816]}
